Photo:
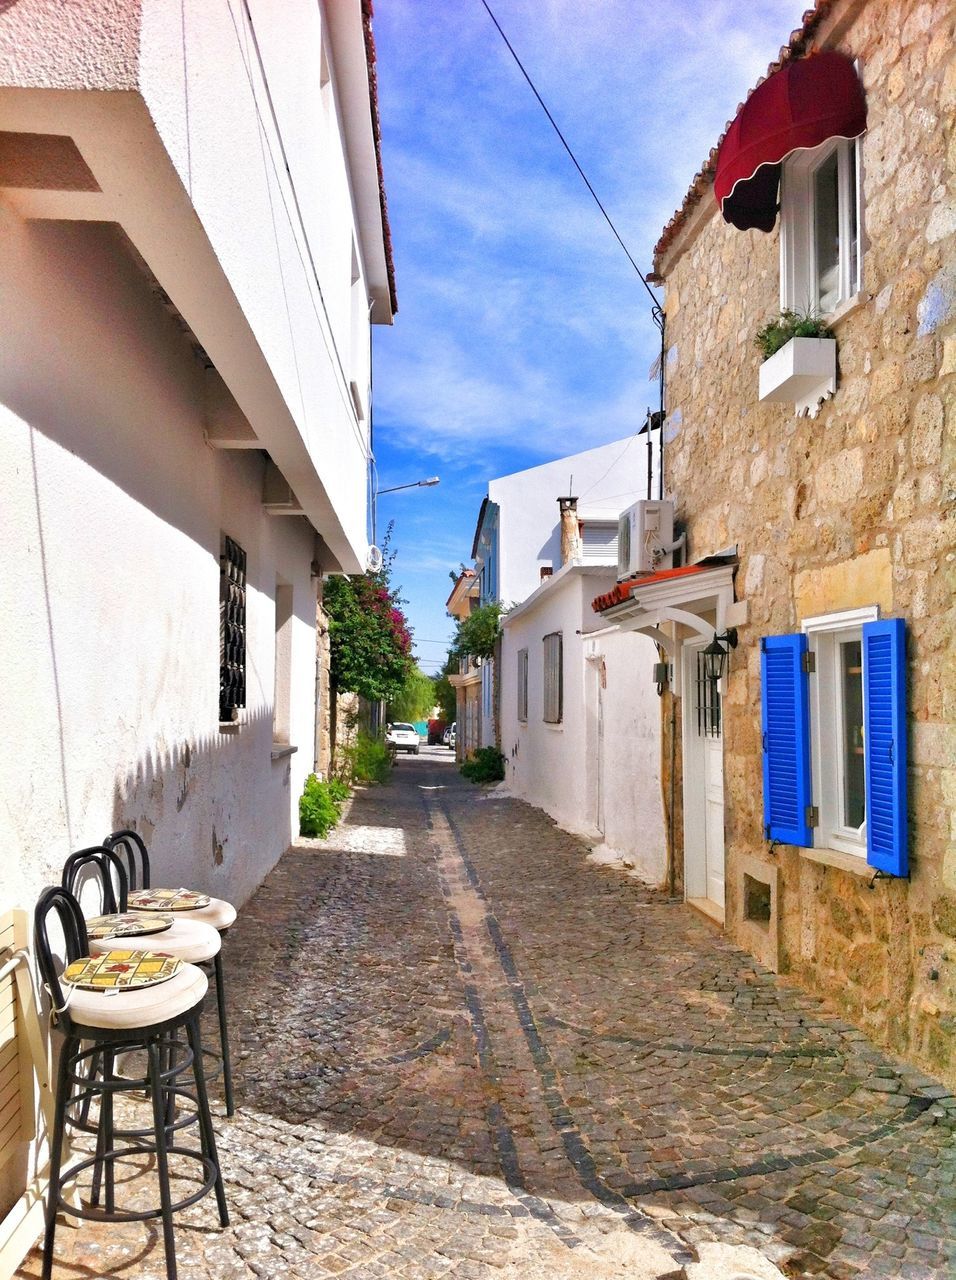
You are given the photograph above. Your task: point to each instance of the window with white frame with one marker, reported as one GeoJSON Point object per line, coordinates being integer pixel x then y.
{"type": "Point", "coordinates": [821, 228]}
{"type": "Point", "coordinates": [836, 728]}
{"type": "Point", "coordinates": [523, 684]}
{"type": "Point", "coordinates": [553, 678]}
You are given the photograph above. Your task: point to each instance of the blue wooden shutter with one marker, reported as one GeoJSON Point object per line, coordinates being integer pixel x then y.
{"type": "Point", "coordinates": [786, 740]}
{"type": "Point", "coordinates": [884, 745]}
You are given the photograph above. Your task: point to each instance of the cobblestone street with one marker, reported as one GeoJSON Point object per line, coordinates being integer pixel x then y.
{"type": "Point", "coordinates": [464, 1050]}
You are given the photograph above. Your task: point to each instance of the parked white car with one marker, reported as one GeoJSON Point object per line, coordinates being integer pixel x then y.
{"type": "Point", "coordinates": [452, 734]}
{"type": "Point", "coordinates": [403, 737]}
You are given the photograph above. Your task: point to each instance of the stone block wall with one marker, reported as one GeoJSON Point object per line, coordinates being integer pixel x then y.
{"type": "Point", "coordinates": [854, 507]}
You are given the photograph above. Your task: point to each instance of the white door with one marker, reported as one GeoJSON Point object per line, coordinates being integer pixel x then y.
{"type": "Point", "coordinates": [714, 818]}
{"type": "Point", "coordinates": [703, 788]}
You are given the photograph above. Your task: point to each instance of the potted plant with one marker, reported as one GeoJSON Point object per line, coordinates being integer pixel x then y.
{"type": "Point", "coordinates": [799, 361]}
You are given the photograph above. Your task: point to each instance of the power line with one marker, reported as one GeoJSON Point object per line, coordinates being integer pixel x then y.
{"type": "Point", "coordinates": [573, 157]}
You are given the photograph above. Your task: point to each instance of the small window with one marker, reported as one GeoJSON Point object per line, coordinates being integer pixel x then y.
{"type": "Point", "coordinates": [599, 541]}
{"type": "Point", "coordinates": [553, 678]}
{"type": "Point", "coordinates": [837, 734]}
{"type": "Point", "coordinates": [282, 701]}
{"type": "Point", "coordinates": [232, 629]}
{"type": "Point", "coordinates": [523, 684]}
{"type": "Point", "coordinates": [820, 264]}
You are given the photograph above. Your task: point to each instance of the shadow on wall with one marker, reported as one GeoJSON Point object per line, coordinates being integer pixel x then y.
{"type": "Point", "coordinates": [215, 812]}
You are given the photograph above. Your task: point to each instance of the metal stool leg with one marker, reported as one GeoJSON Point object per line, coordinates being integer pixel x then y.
{"type": "Point", "coordinates": [106, 1106]}
{"type": "Point", "coordinates": [56, 1153]}
{"type": "Point", "coordinates": [206, 1132]}
{"type": "Point", "coordinates": [162, 1161]}
{"type": "Point", "coordinates": [224, 1037]}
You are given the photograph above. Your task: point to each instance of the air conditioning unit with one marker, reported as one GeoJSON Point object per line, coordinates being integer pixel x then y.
{"type": "Point", "coordinates": [645, 538]}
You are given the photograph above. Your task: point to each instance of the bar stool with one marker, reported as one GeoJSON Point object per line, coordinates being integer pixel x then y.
{"type": "Point", "coordinates": [140, 1019]}
{"type": "Point", "coordinates": [187, 940]}
{"type": "Point", "coordinates": [219, 913]}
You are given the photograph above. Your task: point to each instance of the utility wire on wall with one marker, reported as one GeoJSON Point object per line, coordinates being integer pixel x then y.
{"type": "Point", "coordinates": [657, 311]}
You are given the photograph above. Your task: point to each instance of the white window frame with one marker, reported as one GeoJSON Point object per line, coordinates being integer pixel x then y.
{"type": "Point", "coordinates": [798, 264]}
{"type": "Point", "coordinates": [825, 634]}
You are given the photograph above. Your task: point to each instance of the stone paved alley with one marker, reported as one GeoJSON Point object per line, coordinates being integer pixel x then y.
{"type": "Point", "coordinates": [495, 1059]}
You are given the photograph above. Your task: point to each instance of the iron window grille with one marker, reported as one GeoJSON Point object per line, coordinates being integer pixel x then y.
{"type": "Point", "coordinates": [232, 629]}
{"type": "Point", "coordinates": [708, 702]}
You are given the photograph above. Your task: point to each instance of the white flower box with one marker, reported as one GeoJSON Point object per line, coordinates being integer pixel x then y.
{"type": "Point", "coordinates": [802, 373]}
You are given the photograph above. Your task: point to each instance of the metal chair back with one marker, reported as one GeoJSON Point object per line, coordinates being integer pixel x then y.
{"type": "Point", "coordinates": [60, 902]}
{"type": "Point", "coordinates": [131, 847]}
{"type": "Point", "coordinates": [108, 871]}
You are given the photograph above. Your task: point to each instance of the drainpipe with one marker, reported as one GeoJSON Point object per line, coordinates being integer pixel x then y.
{"type": "Point", "coordinates": [670, 817]}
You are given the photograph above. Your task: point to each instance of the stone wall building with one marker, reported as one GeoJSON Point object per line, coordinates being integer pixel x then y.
{"type": "Point", "coordinates": [838, 519]}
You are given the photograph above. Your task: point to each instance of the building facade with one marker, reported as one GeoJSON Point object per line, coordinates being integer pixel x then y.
{"type": "Point", "coordinates": [580, 722]}
{"type": "Point", "coordinates": [820, 767]}
{"type": "Point", "coordinates": [467, 680]}
{"type": "Point", "coordinates": [517, 541]}
{"type": "Point", "coordinates": [571, 703]}
{"type": "Point", "coordinates": [193, 240]}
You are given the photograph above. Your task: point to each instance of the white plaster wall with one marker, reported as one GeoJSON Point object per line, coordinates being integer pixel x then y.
{"type": "Point", "coordinates": [555, 766]}
{"type": "Point", "coordinates": [633, 813]}
{"type": "Point", "coordinates": [217, 108]}
{"type": "Point", "coordinates": [258, 148]}
{"type": "Point", "coordinates": [546, 762]}
{"type": "Point", "coordinates": [606, 480]}
{"type": "Point", "coordinates": [109, 588]}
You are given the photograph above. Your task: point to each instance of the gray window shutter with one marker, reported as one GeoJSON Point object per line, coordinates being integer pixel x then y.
{"type": "Point", "coordinates": [553, 678]}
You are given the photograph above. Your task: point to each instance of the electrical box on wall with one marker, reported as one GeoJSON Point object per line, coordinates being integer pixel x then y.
{"type": "Point", "coordinates": [645, 538]}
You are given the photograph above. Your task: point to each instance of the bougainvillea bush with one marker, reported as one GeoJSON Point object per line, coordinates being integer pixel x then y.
{"type": "Point", "coordinates": [371, 644]}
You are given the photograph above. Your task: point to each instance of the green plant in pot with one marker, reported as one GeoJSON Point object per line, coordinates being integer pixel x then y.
{"type": "Point", "coordinates": [789, 324]}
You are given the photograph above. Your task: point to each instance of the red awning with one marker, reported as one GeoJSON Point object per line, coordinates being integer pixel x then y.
{"type": "Point", "coordinates": [801, 105]}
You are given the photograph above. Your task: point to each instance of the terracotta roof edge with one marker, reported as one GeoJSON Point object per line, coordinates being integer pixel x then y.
{"type": "Point", "coordinates": [370, 57]}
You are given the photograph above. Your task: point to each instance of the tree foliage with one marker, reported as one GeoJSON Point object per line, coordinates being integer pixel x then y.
{"type": "Point", "coordinates": [369, 638]}
{"type": "Point", "coordinates": [445, 694]}
{"type": "Point", "coordinates": [477, 634]}
{"type": "Point", "coordinates": [415, 699]}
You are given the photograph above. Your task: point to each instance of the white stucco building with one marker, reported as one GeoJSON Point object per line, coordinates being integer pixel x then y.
{"type": "Point", "coordinates": [193, 243]}
{"type": "Point", "coordinates": [185, 359]}
{"type": "Point", "coordinates": [580, 719]}
{"type": "Point", "coordinates": [573, 702]}
{"type": "Point", "coordinates": [517, 539]}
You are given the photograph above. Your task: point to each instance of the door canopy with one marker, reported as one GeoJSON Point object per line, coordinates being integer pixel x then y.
{"type": "Point", "coordinates": [800, 106]}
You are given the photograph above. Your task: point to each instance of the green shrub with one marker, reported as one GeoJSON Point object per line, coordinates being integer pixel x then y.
{"type": "Point", "coordinates": [372, 761]}
{"type": "Point", "coordinates": [789, 324]}
{"type": "Point", "coordinates": [320, 806]}
{"type": "Point", "coordinates": [338, 790]}
{"type": "Point", "coordinates": [487, 764]}
{"type": "Point", "coordinates": [365, 759]}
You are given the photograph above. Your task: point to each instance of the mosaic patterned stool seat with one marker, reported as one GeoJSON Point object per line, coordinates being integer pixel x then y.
{"type": "Point", "coordinates": [119, 1003]}
{"type": "Point", "coordinates": [196, 908]}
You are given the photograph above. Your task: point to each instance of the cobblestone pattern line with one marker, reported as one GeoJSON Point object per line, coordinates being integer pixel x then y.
{"type": "Point", "coordinates": [400, 1076]}
{"type": "Point", "coordinates": [572, 1140]}
{"type": "Point", "coordinates": [703, 1069]}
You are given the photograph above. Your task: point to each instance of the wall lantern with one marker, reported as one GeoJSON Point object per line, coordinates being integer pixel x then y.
{"type": "Point", "coordinates": [716, 655]}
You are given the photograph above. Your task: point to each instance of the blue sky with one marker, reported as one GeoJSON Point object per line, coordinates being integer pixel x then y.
{"type": "Point", "coordinates": [523, 333]}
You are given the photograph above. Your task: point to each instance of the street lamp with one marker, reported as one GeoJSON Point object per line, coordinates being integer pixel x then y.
{"type": "Point", "coordinates": [415, 484]}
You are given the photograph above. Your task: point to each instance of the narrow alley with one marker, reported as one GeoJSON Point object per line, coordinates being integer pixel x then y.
{"type": "Point", "coordinates": [465, 1050]}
